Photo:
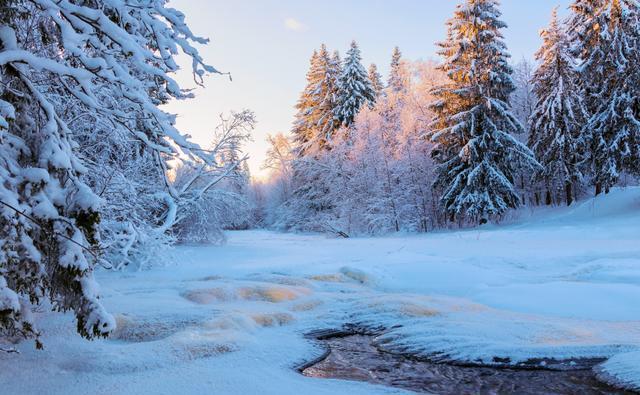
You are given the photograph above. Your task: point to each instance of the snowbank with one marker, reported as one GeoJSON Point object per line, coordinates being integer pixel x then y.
{"type": "Point", "coordinates": [622, 370]}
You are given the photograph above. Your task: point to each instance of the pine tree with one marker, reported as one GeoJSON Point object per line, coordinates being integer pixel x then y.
{"type": "Point", "coordinates": [584, 32]}
{"type": "Point", "coordinates": [315, 121]}
{"type": "Point", "coordinates": [478, 156]}
{"type": "Point", "coordinates": [330, 86]}
{"type": "Point", "coordinates": [313, 130]}
{"type": "Point", "coordinates": [558, 115]}
{"type": "Point", "coordinates": [396, 78]}
{"type": "Point", "coordinates": [607, 39]}
{"type": "Point", "coordinates": [376, 80]}
{"type": "Point", "coordinates": [605, 35]}
{"type": "Point", "coordinates": [354, 88]}
{"type": "Point", "coordinates": [303, 127]}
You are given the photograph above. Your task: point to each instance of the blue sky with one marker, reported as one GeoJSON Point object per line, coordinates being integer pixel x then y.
{"type": "Point", "coordinates": [266, 45]}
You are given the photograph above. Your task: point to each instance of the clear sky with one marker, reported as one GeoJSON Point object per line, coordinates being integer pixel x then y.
{"type": "Point", "coordinates": [266, 45]}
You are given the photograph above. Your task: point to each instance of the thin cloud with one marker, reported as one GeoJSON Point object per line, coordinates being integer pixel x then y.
{"type": "Point", "coordinates": [295, 25]}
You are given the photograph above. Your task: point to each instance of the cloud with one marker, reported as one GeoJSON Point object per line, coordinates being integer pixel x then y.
{"type": "Point", "coordinates": [295, 25]}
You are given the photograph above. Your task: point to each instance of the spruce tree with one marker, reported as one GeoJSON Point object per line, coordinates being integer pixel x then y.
{"type": "Point", "coordinates": [478, 158]}
{"type": "Point", "coordinates": [326, 96]}
{"type": "Point", "coordinates": [315, 121]}
{"type": "Point", "coordinates": [558, 115]}
{"type": "Point", "coordinates": [606, 38]}
{"type": "Point", "coordinates": [354, 88]}
{"type": "Point", "coordinates": [396, 83]}
{"type": "Point", "coordinates": [313, 130]}
{"type": "Point", "coordinates": [376, 80]}
{"type": "Point", "coordinates": [303, 127]}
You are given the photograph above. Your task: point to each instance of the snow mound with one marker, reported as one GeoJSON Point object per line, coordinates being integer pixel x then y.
{"type": "Point", "coordinates": [357, 275]}
{"type": "Point", "coordinates": [272, 319]}
{"type": "Point", "coordinates": [622, 370]}
{"type": "Point", "coordinates": [137, 330]}
{"type": "Point", "coordinates": [617, 203]}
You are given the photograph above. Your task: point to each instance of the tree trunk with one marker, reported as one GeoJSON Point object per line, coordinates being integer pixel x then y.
{"type": "Point", "coordinates": [598, 188]}
{"type": "Point", "coordinates": [568, 189]}
{"type": "Point", "coordinates": [548, 200]}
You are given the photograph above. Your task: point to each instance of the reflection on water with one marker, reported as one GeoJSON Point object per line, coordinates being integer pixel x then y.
{"type": "Point", "coordinates": [355, 357]}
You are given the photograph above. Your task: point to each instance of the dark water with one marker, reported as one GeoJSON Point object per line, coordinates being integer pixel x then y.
{"type": "Point", "coordinates": [354, 357]}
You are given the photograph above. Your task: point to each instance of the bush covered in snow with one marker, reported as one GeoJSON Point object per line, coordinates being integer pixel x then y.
{"type": "Point", "coordinates": [85, 149]}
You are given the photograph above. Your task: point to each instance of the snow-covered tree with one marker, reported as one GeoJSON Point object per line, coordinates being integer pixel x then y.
{"type": "Point", "coordinates": [303, 127]}
{"type": "Point", "coordinates": [315, 120]}
{"type": "Point", "coordinates": [396, 76]}
{"type": "Point", "coordinates": [131, 184]}
{"type": "Point", "coordinates": [354, 87]}
{"type": "Point", "coordinates": [558, 116]}
{"type": "Point", "coordinates": [314, 127]}
{"type": "Point", "coordinates": [376, 175]}
{"type": "Point", "coordinates": [477, 153]}
{"type": "Point", "coordinates": [106, 60]}
{"type": "Point", "coordinates": [376, 80]}
{"type": "Point", "coordinates": [523, 98]}
{"type": "Point", "coordinates": [606, 35]}
{"type": "Point", "coordinates": [212, 196]}
{"type": "Point", "coordinates": [278, 161]}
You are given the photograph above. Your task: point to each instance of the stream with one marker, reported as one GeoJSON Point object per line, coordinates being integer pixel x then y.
{"type": "Point", "coordinates": [355, 357]}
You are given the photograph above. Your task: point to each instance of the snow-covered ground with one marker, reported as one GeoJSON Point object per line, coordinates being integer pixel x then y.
{"type": "Point", "coordinates": [561, 284]}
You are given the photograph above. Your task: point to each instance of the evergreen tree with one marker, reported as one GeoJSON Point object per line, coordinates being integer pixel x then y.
{"type": "Point", "coordinates": [354, 88]}
{"type": "Point", "coordinates": [396, 78]}
{"type": "Point", "coordinates": [313, 129]}
{"type": "Point", "coordinates": [303, 126]}
{"type": "Point", "coordinates": [315, 122]}
{"type": "Point", "coordinates": [558, 115]}
{"type": "Point", "coordinates": [376, 80]}
{"type": "Point", "coordinates": [325, 94]}
{"type": "Point", "coordinates": [478, 156]}
{"type": "Point", "coordinates": [606, 35]}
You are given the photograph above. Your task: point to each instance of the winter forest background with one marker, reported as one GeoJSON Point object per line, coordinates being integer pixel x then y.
{"type": "Point", "coordinates": [94, 173]}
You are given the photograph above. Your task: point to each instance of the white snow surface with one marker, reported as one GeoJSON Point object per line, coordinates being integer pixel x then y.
{"type": "Point", "coordinates": [559, 283]}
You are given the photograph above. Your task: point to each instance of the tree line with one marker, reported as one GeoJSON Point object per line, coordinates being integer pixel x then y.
{"type": "Point", "coordinates": [466, 140]}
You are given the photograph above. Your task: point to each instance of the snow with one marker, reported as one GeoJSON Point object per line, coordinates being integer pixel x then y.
{"type": "Point", "coordinates": [563, 283]}
{"type": "Point", "coordinates": [622, 370]}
